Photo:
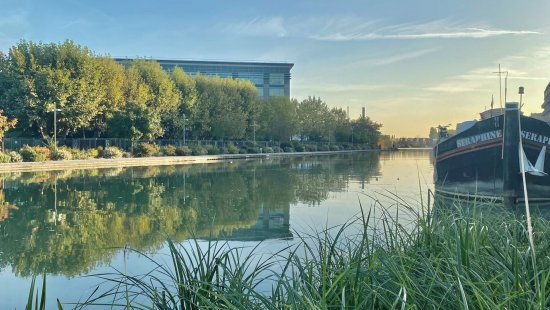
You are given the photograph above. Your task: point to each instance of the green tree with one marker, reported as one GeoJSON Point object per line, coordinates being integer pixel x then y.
{"type": "Point", "coordinates": [366, 131]}
{"type": "Point", "coordinates": [151, 96]}
{"type": "Point", "coordinates": [187, 88]}
{"type": "Point", "coordinates": [164, 96]}
{"type": "Point", "coordinates": [4, 77]}
{"type": "Point", "coordinates": [315, 122]}
{"type": "Point", "coordinates": [41, 76]}
{"type": "Point", "coordinates": [249, 102]}
{"type": "Point", "coordinates": [5, 125]}
{"type": "Point", "coordinates": [112, 81]}
{"type": "Point", "coordinates": [278, 120]}
{"type": "Point", "coordinates": [186, 85]}
{"type": "Point", "coordinates": [135, 122]}
{"type": "Point", "coordinates": [226, 108]}
{"type": "Point", "coordinates": [341, 125]}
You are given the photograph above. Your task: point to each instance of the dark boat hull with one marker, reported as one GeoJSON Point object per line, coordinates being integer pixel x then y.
{"type": "Point", "coordinates": [473, 162]}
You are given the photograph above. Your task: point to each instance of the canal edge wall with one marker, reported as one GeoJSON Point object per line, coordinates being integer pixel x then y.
{"type": "Point", "coordinates": [148, 161]}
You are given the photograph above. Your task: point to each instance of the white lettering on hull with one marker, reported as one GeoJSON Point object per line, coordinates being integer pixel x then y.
{"type": "Point", "coordinates": [486, 136]}
{"type": "Point", "coordinates": [527, 135]}
{"type": "Point", "coordinates": [495, 134]}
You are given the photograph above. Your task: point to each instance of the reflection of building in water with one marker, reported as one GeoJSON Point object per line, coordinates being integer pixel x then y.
{"type": "Point", "coordinates": [273, 223]}
{"type": "Point", "coordinates": [413, 142]}
{"type": "Point", "coordinates": [56, 217]}
{"type": "Point", "coordinates": [306, 165]}
{"type": "Point", "coordinates": [406, 154]}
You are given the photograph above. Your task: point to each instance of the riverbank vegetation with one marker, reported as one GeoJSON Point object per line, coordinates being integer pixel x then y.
{"type": "Point", "coordinates": [50, 152]}
{"type": "Point", "coordinates": [93, 96]}
{"type": "Point", "coordinates": [457, 257]}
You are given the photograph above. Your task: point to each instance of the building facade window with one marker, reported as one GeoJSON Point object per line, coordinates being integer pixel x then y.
{"type": "Point", "coordinates": [276, 92]}
{"type": "Point", "coordinates": [256, 78]}
{"type": "Point", "coordinates": [270, 79]}
{"type": "Point", "coordinates": [260, 91]}
{"type": "Point", "coordinates": [276, 79]}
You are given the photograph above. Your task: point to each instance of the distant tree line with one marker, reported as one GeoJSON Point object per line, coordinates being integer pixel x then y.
{"type": "Point", "coordinates": [97, 97]}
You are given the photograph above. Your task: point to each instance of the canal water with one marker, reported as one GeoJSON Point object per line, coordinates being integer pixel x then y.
{"type": "Point", "coordinates": [72, 224]}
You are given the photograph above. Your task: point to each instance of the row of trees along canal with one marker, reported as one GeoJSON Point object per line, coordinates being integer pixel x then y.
{"type": "Point", "coordinates": [98, 97]}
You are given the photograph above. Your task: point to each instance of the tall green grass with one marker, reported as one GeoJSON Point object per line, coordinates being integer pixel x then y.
{"type": "Point", "coordinates": [37, 299]}
{"type": "Point", "coordinates": [452, 257]}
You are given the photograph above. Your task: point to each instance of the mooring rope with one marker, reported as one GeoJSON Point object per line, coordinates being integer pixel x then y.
{"type": "Point", "coordinates": [525, 195]}
{"type": "Point", "coordinates": [504, 134]}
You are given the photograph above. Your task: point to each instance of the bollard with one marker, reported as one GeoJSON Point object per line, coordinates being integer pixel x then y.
{"type": "Point", "coordinates": [510, 160]}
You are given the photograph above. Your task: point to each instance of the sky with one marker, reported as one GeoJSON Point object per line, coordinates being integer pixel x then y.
{"type": "Point", "coordinates": [413, 64]}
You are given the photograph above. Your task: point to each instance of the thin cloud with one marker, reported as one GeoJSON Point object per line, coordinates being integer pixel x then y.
{"type": "Point", "coordinates": [274, 26]}
{"type": "Point", "coordinates": [452, 89]}
{"type": "Point", "coordinates": [401, 57]}
{"type": "Point", "coordinates": [479, 80]}
{"type": "Point", "coordinates": [77, 23]}
{"type": "Point", "coordinates": [472, 81]}
{"type": "Point", "coordinates": [355, 29]}
{"type": "Point", "coordinates": [532, 64]}
{"type": "Point", "coordinates": [345, 87]}
{"type": "Point", "coordinates": [474, 33]}
{"type": "Point", "coordinates": [528, 66]}
{"type": "Point", "coordinates": [437, 29]}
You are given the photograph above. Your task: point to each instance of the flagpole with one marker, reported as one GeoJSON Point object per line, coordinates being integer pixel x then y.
{"type": "Point", "coordinates": [500, 84]}
{"type": "Point", "coordinates": [492, 102]}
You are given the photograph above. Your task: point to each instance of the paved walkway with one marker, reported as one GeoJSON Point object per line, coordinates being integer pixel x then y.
{"type": "Point", "coordinates": [142, 161]}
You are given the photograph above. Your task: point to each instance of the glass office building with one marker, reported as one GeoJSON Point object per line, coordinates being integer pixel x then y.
{"type": "Point", "coordinates": [271, 79]}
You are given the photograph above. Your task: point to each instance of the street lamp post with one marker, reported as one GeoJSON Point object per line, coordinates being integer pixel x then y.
{"type": "Point", "coordinates": [184, 121]}
{"type": "Point", "coordinates": [55, 110]}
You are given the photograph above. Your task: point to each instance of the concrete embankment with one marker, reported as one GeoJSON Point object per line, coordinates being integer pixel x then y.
{"type": "Point", "coordinates": [143, 161]}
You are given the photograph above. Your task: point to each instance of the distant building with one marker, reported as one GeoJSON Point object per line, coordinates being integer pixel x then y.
{"type": "Point", "coordinates": [546, 103]}
{"type": "Point", "coordinates": [271, 79]}
{"type": "Point", "coordinates": [414, 142]}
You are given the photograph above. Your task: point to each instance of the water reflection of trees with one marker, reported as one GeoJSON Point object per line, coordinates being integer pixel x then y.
{"type": "Point", "coordinates": [99, 211]}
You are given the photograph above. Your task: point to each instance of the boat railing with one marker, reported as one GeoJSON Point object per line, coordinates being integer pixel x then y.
{"type": "Point", "coordinates": [491, 113]}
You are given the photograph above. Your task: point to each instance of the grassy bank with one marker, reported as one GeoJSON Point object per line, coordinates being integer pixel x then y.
{"type": "Point", "coordinates": [456, 257]}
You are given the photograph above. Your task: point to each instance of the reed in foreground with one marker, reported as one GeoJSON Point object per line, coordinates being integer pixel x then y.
{"type": "Point", "coordinates": [454, 258]}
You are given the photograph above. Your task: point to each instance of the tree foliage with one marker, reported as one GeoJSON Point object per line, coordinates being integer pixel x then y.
{"type": "Point", "coordinates": [5, 124]}
{"type": "Point", "coordinates": [313, 117]}
{"type": "Point", "coordinates": [96, 96]}
{"type": "Point", "coordinates": [112, 80]}
{"type": "Point", "coordinates": [175, 123]}
{"type": "Point", "coordinates": [341, 130]}
{"type": "Point", "coordinates": [366, 131]}
{"type": "Point", "coordinates": [226, 108]}
{"type": "Point", "coordinates": [43, 76]}
{"type": "Point", "coordinates": [278, 119]}
{"type": "Point", "coordinates": [151, 97]}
